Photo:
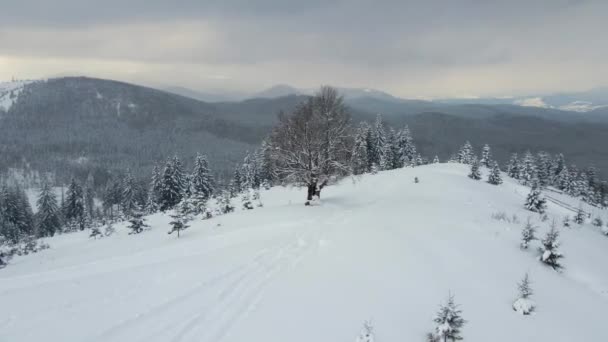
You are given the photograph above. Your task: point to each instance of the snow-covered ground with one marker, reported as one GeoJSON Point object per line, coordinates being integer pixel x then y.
{"type": "Point", "coordinates": [381, 248]}
{"type": "Point", "coordinates": [9, 92]}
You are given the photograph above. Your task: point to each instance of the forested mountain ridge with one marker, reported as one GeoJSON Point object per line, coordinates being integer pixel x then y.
{"type": "Point", "coordinates": [78, 125]}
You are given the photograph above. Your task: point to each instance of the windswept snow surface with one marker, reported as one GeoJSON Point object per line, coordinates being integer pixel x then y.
{"type": "Point", "coordinates": [380, 248]}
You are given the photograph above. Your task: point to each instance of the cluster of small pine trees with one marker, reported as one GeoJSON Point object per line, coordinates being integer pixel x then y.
{"type": "Point", "coordinates": [377, 148]}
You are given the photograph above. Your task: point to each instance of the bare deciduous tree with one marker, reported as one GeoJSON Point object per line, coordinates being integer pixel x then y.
{"type": "Point", "coordinates": [314, 142]}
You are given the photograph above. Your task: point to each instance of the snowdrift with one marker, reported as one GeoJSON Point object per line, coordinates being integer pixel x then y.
{"type": "Point", "coordinates": [379, 248]}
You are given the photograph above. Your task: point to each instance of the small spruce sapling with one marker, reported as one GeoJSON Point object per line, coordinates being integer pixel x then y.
{"type": "Point", "coordinates": [523, 304]}
{"type": "Point", "coordinates": [246, 200]}
{"type": "Point", "coordinates": [367, 333]}
{"type": "Point", "coordinates": [181, 217]}
{"type": "Point", "coordinates": [535, 201]}
{"type": "Point", "coordinates": [494, 176]}
{"type": "Point", "coordinates": [579, 218]}
{"type": "Point", "coordinates": [528, 234]}
{"type": "Point", "coordinates": [137, 222]}
{"type": "Point", "coordinates": [549, 251]}
{"type": "Point", "coordinates": [475, 173]}
{"type": "Point", "coordinates": [449, 323]}
{"type": "Point", "coordinates": [566, 221]}
{"type": "Point", "coordinates": [95, 233]}
{"type": "Point", "coordinates": [598, 222]}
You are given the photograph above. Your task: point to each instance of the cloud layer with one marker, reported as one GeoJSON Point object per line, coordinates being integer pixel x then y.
{"type": "Point", "coordinates": [411, 48]}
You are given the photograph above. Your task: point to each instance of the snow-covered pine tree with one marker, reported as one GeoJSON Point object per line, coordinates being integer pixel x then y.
{"type": "Point", "coordinates": [225, 202]}
{"type": "Point", "coordinates": [172, 184]}
{"type": "Point", "coordinates": [74, 205]}
{"type": "Point", "coordinates": [359, 160]}
{"type": "Point", "coordinates": [109, 230]}
{"type": "Point", "coordinates": [543, 168]}
{"type": "Point", "coordinates": [579, 218]}
{"type": "Point", "coordinates": [475, 173]}
{"type": "Point", "coordinates": [378, 142]}
{"type": "Point", "coordinates": [246, 200]}
{"type": "Point", "coordinates": [89, 195]}
{"type": "Point", "coordinates": [528, 234]}
{"type": "Point", "coordinates": [528, 171]}
{"type": "Point", "coordinates": [390, 152]}
{"type": "Point", "coordinates": [563, 181]}
{"type": "Point", "coordinates": [137, 222]}
{"type": "Point", "coordinates": [180, 218]}
{"type": "Point", "coordinates": [257, 198]}
{"type": "Point", "coordinates": [236, 184]}
{"type": "Point", "coordinates": [436, 160]}
{"type": "Point", "coordinates": [549, 253]}
{"type": "Point", "coordinates": [156, 186]}
{"type": "Point", "coordinates": [128, 194]}
{"type": "Point", "coordinates": [449, 323]}
{"type": "Point", "coordinates": [465, 154]}
{"type": "Point", "coordinates": [513, 168]}
{"type": "Point", "coordinates": [523, 304]}
{"type": "Point", "coordinates": [486, 156]}
{"type": "Point", "coordinates": [535, 201]}
{"type": "Point", "coordinates": [494, 176]}
{"type": "Point", "coordinates": [405, 145]}
{"type": "Point", "coordinates": [201, 180]}
{"type": "Point", "coordinates": [367, 333]}
{"type": "Point", "coordinates": [48, 215]}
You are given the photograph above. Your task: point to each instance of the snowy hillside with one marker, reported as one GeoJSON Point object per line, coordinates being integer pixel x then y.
{"type": "Point", "coordinates": [381, 248]}
{"type": "Point", "coordinates": [9, 92]}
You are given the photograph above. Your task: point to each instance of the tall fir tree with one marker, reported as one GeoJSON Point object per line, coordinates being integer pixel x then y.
{"type": "Point", "coordinates": [48, 215]}
{"type": "Point", "coordinates": [172, 185]}
{"type": "Point", "coordinates": [129, 202]}
{"type": "Point", "coordinates": [359, 158]}
{"type": "Point", "coordinates": [486, 156]}
{"type": "Point", "coordinates": [513, 168]}
{"type": "Point", "coordinates": [74, 210]}
{"type": "Point", "coordinates": [475, 173]}
{"type": "Point", "coordinates": [201, 178]}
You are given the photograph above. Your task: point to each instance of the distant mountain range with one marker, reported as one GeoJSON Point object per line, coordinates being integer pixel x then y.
{"type": "Point", "coordinates": [76, 125]}
{"type": "Point", "coordinates": [582, 102]}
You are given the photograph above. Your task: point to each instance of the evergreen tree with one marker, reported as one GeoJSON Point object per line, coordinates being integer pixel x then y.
{"type": "Point", "coordinates": [47, 217]}
{"type": "Point", "coordinates": [89, 195]}
{"type": "Point", "coordinates": [528, 172]}
{"type": "Point", "coordinates": [465, 154]}
{"type": "Point", "coordinates": [475, 173]}
{"type": "Point", "coordinates": [201, 179]}
{"type": "Point", "coordinates": [494, 176]}
{"type": "Point", "coordinates": [535, 202]}
{"type": "Point", "coordinates": [524, 305]}
{"type": "Point", "coordinates": [449, 323]}
{"type": "Point", "coordinates": [543, 169]}
{"type": "Point", "coordinates": [180, 218]}
{"type": "Point", "coordinates": [367, 333]}
{"type": "Point", "coordinates": [359, 158]}
{"type": "Point", "coordinates": [74, 205]}
{"type": "Point", "coordinates": [513, 168]}
{"type": "Point", "coordinates": [128, 194]}
{"type": "Point", "coordinates": [486, 156]}
{"type": "Point", "coordinates": [549, 253]}
{"type": "Point", "coordinates": [405, 145]}
{"type": "Point", "coordinates": [172, 185]}
{"type": "Point", "coordinates": [236, 185]}
{"type": "Point", "coordinates": [246, 200]}
{"type": "Point", "coordinates": [436, 160]}
{"type": "Point", "coordinates": [225, 202]}
{"type": "Point", "coordinates": [378, 140]}
{"type": "Point", "coordinates": [137, 222]}
{"type": "Point", "coordinates": [579, 218]}
{"type": "Point", "coordinates": [528, 234]}
{"type": "Point", "coordinates": [156, 186]}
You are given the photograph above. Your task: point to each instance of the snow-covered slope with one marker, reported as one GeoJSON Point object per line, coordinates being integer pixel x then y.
{"type": "Point", "coordinates": [382, 248]}
{"type": "Point", "coordinates": [9, 92]}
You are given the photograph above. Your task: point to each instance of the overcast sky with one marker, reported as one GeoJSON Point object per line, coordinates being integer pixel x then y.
{"type": "Point", "coordinates": [432, 48]}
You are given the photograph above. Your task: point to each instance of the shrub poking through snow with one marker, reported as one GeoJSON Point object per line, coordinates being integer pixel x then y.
{"type": "Point", "coordinates": [528, 234]}
{"type": "Point", "coordinates": [494, 177]}
{"type": "Point", "coordinates": [137, 222]}
{"type": "Point", "coordinates": [524, 305]}
{"type": "Point", "coordinates": [246, 200]}
{"type": "Point", "coordinates": [416, 180]}
{"type": "Point", "coordinates": [566, 221]}
{"type": "Point", "coordinates": [475, 173]}
{"type": "Point", "coordinates": [449, 323]}
{"type": "Point", "coordinates": [579, 218]}
{"type": "Point", "coordinates": [95, 233]}
{"type": "Point", "coordinates": [549, 253]}
{"type": "Point", "coordinates": [367, 333]}
{"type": "Point", "coordinates": [598, 222]}
{"type": "Point", "coordinates": [257, 198]}
{"type": "Point", "coordinates": [109, 230]}
{"type": "Point", "coordinates": [535, 201]}
{"type": "Point", "coordinates": [225, 203]}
